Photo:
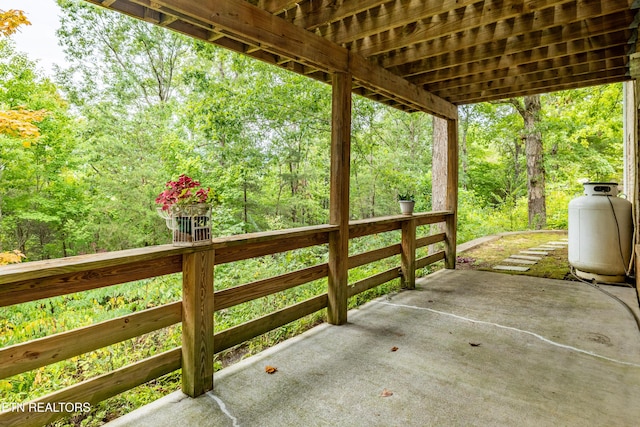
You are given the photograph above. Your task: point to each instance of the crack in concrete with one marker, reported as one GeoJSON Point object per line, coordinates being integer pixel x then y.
{"type": "Point", "coordinates": [510, 328]}
{"type": "Point", "coordinates": [224, 409]}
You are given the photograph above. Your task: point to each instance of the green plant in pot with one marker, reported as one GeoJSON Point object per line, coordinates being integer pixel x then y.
{"type": "Point", "coordinates": [407, 202]}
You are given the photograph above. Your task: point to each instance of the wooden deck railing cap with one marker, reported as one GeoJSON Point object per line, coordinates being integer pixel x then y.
{"type": "Point", "coordinates": [265, 236]}
{"type": "Point", "coordinates": [395, 218]}
{"type": "Point", "coordinates": [52, 267]}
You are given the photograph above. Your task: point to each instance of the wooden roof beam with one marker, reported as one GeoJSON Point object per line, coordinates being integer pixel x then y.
{"type": "Point", "coordinates": [196, 29]}
{"type": "Point", "coordinates": [241, 21]}
{"type": "Point", "coordinates": [371, 74]}
{"type": "Point", "coordinates": [259, 27]}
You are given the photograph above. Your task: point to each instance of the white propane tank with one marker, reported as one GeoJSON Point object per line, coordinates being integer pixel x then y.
{"type": "Point", "coordinates": [600, 233]}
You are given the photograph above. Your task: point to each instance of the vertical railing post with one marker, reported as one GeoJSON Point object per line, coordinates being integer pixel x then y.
{"type": "Point", "coordinates": [452, 193]}
{"type": "Point", "coordinates": [339, 198]}
{"type": "Point", "coordinates": [408, 255]}
{"type": "Point", "coordinates": [197, 322]}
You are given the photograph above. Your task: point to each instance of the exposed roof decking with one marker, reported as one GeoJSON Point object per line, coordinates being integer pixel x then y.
{"type": "Point", "coordinates": [419, 55]}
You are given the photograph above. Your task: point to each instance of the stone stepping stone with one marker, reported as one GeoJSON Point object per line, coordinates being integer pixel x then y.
{"type": "Point", "coordinates": [519, 261]}
{"type": "Point", "coordinates": [545, 248]}
{"type": "Point", "coordinates": [534, 252]}
{"type": "Point", "coordinates": [510, 268]}
{"type": "Point", "coordinates": [527, 257]}
{"type": "Point", "coordinates": [559, 243]}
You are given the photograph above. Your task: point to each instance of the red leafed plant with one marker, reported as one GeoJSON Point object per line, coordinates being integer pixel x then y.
{"type": "Point", "coordinates": [184, 191]}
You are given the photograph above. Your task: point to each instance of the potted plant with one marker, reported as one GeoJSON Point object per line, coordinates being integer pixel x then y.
{"type": "Point", "coordinates": [186, 208]}
{"type": "Point", "coordinates": [407, 203]}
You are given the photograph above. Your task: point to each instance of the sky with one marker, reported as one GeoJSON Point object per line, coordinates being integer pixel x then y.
{"type": "Point", "coordinates": [38, 40]}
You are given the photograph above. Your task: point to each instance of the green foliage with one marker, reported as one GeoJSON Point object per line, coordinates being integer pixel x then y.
{"type": "Point", "coordinates": [45, 197]}
{"type": "Point", "coordinates": [583, 131]}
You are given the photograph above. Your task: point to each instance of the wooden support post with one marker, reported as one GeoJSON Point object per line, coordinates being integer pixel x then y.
{"type": "Point", "coordinates": [632, 154]}
{"type": "Point", "coordinates": [197, 322]}
{"type": "Point", "coordinates": [339, 198]}
{"type": "Point", "coordinates": [408, 255]}
{"type": "Point", "coordinates": [452, 193]}
{"type": "Point", "coordinates": [438, 175]}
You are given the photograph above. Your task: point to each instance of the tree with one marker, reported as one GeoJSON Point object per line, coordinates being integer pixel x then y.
{"type": "Point", "coordinates": [17, 120]}
{"type": "Point", "coordinates": [11, 20]}
{"type": "Point", "coordinates": [583, 132]}
{"type": "Point", "coordinates": [43, 197]}
{"type": "Point", "coordinates": [13, 257]}
{"type": "Point", "coordinates": [124, 79]}
{"type": "Point", "coordinates": [529, 108]}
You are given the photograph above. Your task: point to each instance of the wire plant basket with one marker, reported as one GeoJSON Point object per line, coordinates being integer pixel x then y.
{"type": "Point", "coordinates": [189, 224]}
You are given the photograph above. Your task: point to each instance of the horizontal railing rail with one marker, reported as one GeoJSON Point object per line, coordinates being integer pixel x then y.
{"type": "Point", "coordinates": [21, 283]}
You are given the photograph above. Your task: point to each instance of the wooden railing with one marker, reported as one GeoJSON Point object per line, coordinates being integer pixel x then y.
{"type": "Point", "coordinates": [32, 281]}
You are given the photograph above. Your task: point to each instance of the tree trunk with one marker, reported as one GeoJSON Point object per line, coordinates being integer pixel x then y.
{"type": "Point", "coordinates": [535, 164]}
{"type": "Point", "coordinates": [245, 215]}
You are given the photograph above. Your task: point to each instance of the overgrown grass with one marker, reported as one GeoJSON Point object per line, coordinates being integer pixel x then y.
{"type": "Point", "coordinates": [555, 265]}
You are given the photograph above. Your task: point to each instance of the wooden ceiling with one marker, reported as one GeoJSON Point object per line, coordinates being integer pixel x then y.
{"type": "Point", "coordinates": [419, 55]}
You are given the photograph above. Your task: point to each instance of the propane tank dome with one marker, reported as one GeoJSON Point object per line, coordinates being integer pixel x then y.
{"type": "Point", "coordinates": [600, 188]}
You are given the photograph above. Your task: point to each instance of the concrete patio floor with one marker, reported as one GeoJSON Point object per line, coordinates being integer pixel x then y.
{"type": "Point", "coordinates": [473, 349]}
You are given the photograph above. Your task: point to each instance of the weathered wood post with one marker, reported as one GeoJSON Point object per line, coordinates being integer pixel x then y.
{"type": "Point", "coordinates": [339, 198]}
{"type": "Point", "coordinates": [438, 174]}
{"type": "Point", "coordinates": [408, 255]}
{"type": "Point", "coordinates": [197, 322]}
{"type": "Point", "coordinates": [632, 150]}
{"type": "Point", "coordinates": [452, 193]}
{"type": "Point", "coordinates": [445, 180]}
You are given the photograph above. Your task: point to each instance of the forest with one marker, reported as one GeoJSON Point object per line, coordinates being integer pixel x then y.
{"type": "Point", "coordinates": [85, 153]}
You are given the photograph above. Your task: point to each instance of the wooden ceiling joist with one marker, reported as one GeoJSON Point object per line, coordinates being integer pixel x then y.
{"type": "Point", "coordinates": [311, 15]}
{"type": "Point", "coordinates": [539, 34]}
{"type": "Point", "coordinates": [516, 66]}
{"type": "Point", "coordinates": [410, 17]}
{"type": "Point", "coordinates": [601, 78]}
{"type": "Point", "coordinates": [416, 54]}
{"type": "Point", "coordinates": [515, 83]}
{"type": "Point", "coordinates": [561, 67]}
{"type": "Point", "coordinates": [505, 22]}
{"type": "Point", "coordinates": [511, 49]}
